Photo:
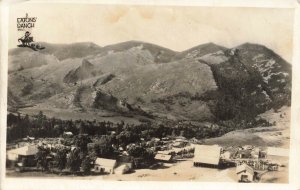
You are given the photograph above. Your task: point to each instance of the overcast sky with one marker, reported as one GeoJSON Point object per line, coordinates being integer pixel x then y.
{"type": "Point", "coordinates": [177, 28]}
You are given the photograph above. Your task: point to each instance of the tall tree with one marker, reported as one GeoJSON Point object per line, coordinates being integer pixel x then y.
{"type": "Point", "coordinates": [41, 158]}
{"type": "Point", "coordinates": [61, 158]}
{"type": "Point", "coordinates": [86, 165]}
{"type": "Point", "coordinates": [73, 161]}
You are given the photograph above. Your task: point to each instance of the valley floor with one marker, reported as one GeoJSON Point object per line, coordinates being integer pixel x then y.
{"type": "Point", "coordinates": [275, 136]}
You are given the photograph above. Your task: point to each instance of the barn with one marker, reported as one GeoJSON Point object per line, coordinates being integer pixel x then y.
{"type": "Point", "coordinates": [207, 155]}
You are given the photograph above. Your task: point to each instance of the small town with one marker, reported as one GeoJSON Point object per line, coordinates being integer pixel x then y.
{"type": "Point", "coordinates": [77, 155]}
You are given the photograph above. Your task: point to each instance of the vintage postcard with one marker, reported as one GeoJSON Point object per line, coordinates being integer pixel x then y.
{"type": "Point", "coordinates": [149, 92]}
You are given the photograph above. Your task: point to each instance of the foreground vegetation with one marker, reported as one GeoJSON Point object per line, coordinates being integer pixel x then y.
{"type": "Point", "coordinates": [40, 126]}
{"type": "Point", "coordinates": [94, 139]}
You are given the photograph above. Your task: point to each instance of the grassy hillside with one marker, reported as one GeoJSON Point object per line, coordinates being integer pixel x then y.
{"type": "Point", "coordinates": [205, 83]}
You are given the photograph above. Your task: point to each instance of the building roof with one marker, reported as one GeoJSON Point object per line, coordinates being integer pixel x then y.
{"type": "Point", "coordinates": [244, 167]}
{"type": "Point", "coordinates": [166, 152]}
{"type": "Point", "coordinates": [177, 144]}
{"type": "Point", "coordinates": [273, 151]}
{"type": "Point", "coordinates": [105, 162]}
{"type": "Point", "coordinates": [25, 150]}
{"type": "Point", "coordinates": [207, 154]}
{"type": "Point", "coordinates": [68, 133]}
{"type": "Point", "coordinates": [245, 152]}
{"type": "Point", "coordinates": [163, 157]}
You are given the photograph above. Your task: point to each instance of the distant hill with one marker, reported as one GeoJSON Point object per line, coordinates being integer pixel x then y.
{"type": "Point", "coordinates": [63, 51]}
{"type": "Point", "coordinates": [199, 51]}
{"type": "Point", "coordinates": [205, 83]}
{"type": "Point", "coordinates": [160, 54]}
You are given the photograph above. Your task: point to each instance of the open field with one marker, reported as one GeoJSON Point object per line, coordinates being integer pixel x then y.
{"type": "Point", "coordinates": [68, 114]}
{"type": "Point", "coordinates": [277, 135]}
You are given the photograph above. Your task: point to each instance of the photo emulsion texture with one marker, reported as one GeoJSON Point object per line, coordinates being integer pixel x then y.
{"type": "Point", "coordinates": [149, 93]}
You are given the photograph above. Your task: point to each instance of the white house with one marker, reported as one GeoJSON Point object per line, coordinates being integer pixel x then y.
{"type": "Point", "coordinates": [103, 165]}
{"type": "Point", "coordinates": [26, 151]}
{"type": "Point", "coordinates": [245, 173]}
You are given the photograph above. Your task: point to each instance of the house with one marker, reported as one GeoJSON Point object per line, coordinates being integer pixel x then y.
{"type": "Point", "coordinates": [255, 153]}
{"type": "Point", "coordinates": [166, 152]}
{"type": "Point", "coordinates": [207, 155]}
{"type": "Point", "coordinates": [163, 157]}
{"type": "Point", "coordinates": [28, 138]}
{"type": "Point", "coordinates": [273, 151]}
{"type": "Point", "coordinates": [245, 173]}
{"type": "Point", "coordinates": [26, 151]}
{"type": "Point", "coordinates": [24, 155]}
{"type": "Point", "coordinates": [181, 139]}
{"type": "Point", "coordinates": [178, 144]}
{"type": "Point", "coordinates": [247, 147]}
{"type": "Point", "coordinates": [244, 154]}
{"type": "Point", "coordinates": [68, 134]}
{"type": "Point", "coordinates": [103, 165]}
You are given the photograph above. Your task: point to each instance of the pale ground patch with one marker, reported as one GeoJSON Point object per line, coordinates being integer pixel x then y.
{"type": "Point", "coordinates": [277, 136]}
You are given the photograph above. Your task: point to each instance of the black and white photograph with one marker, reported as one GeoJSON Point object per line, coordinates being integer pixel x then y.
{"type": "Point", "coordinates": [132, 92]}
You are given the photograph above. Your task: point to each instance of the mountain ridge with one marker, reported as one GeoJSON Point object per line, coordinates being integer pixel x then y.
{"type": "Point", "coordinates": [136, 42]}
{"type": "Point", "coordinates": [206, 82]}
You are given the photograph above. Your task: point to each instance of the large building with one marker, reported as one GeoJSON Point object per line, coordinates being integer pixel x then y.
{"type": "Point", "coordinates": [207, 155]}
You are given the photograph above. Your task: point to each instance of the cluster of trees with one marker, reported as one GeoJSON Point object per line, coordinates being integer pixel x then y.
{"type": "Point", "coordinates": [94, 139]}
{"type": "Point", "coordinates": [80, 159]}
{"type": "Point", "coordinates": [64, 157]}
{"type": "Point", "coordinates": [120, 134]}
{"type": "Point", "coordinates": [40, 126]}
